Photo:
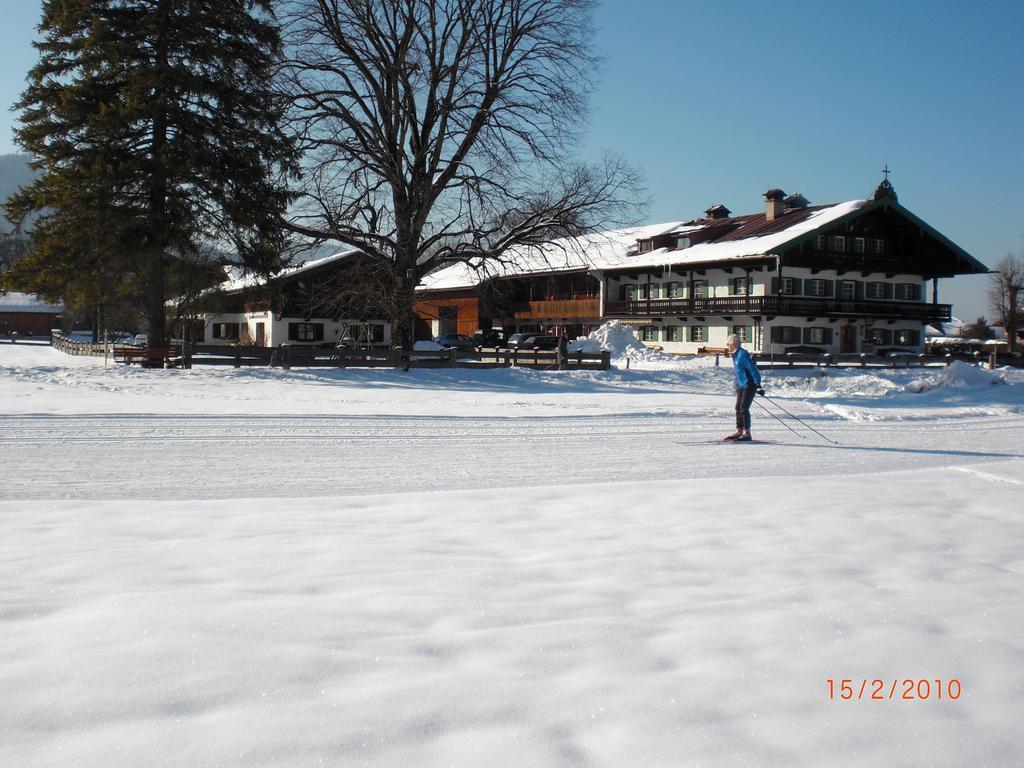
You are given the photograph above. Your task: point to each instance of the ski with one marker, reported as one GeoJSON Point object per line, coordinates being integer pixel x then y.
{"type": "Point", "coordinates": [725, 442]}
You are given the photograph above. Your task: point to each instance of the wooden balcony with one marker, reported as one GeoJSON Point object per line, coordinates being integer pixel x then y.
{"type": "Point", "coordinates": [799, 306]}
{"type": "Point", "coordinates": [557, 308]}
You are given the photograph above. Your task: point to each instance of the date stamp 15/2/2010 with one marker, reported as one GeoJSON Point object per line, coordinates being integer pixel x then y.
{"type": "Point", "coordinates": [896, 689]}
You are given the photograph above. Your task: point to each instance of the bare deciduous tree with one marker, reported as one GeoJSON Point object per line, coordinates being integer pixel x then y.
{"type": "Point", "coordinates": [1006, 296]}
{"type": "Point", "coordinates": [441, 130]}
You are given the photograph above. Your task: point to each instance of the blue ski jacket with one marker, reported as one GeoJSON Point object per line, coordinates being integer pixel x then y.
{"type": "Point", "coordinates": [745, 368]}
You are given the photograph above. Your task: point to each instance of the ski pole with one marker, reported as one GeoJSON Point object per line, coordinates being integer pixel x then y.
{"type": "Point", "coordinates": [797, 418]}
{"type": "Point", "coordinates": [778, 420]}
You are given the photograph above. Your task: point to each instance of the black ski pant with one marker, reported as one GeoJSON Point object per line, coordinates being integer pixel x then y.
{"type": "Point", "coordinates": [744, 397]}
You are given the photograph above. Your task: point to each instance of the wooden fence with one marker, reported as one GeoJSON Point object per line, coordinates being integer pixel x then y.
{"type": "Point", "coordinates": [85, 348]}
{"type": "Point", "coordinates": [864, 360]}
{"type": "Point", "coordinates": [294, 355]}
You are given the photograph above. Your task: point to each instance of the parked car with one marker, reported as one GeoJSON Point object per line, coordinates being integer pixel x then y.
{"type": "Point", "coordinates": [457, 340]}
{"type": "Point", "coordinates": [518, 340]}
{"type": "Point", "coordinates": [542, 342]}
{"type": "Point", "coordinates": [491, 337]}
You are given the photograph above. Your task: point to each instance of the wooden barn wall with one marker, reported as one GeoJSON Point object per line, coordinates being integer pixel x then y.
{"type": "Point", "coordinates": [466, 307]}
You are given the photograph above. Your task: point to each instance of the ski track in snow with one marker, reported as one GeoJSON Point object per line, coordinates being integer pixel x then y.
{"type": "Point", "coordinates": [303, 456]}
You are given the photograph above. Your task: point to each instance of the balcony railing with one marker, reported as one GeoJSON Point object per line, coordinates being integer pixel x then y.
{"type": "Point", "coordinates": [567, 308]}
{"type": "Point", "coordinates": [801, 306]}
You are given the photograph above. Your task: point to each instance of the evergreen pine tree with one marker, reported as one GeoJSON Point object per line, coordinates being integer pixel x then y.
{"type": "Point", "coordinates": [155, 132]}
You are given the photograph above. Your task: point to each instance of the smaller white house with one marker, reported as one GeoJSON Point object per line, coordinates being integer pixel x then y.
{"type": "Point", "coordinates": [275, 311]}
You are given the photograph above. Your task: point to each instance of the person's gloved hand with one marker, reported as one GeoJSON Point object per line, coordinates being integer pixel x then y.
{"type": "Point", "coordinates": [760, 392]}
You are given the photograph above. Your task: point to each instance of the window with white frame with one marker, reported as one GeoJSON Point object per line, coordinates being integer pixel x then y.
{"type": "Point", "coordinates": [645, 246]}
{"type": "Point", "coordinates": [786, 286]}
{"type": "Point", "coordinates": [906, 337]}
{"type": "Point", "coordinates": [908, 291]}
{"type": "Point", "coordinates": [674, 333]}
{"type": "Point", "coordinates": [629, 292]}
{"type": "Point", "coordinates": [305, 331]}
{"type": "Point", "coordinates": [878, 247]}
{"type": "Point", "coordinates": [878, 336]}
{"type": "Point", "coordinates": [848, 290]}
{"type": "Point", "coordinates": [682, 242]}
{"type": "Point", "coordinates": [816, 335]}
{"type": "Point", "coordinates": [740, 285]}
{"type": "Point", "coordinates": [875, 290]}
{"type": "Point", "coordinates": [675, 290]}
{"type": "Point", "coordinates": [838, 243]}
{"type": "Point", "coordinates": [658, 290]}
{"type": "Point", "coordinates": [815, 287]}
{"type": "Point", "coordinates": [859, 245]}
{"type": "Point", "coordinates": [700, 289]}
{"type": "Point", "coordinates": [819, 242]}
{"type": "Point", "coordinates": [785, 334]}
{"type": "Point", "coordinates": [698, 333]}
{"type": "Point", "coordinates": [745, 332]}
{"type": "Point", "coordinates": [225, 331]}
{"type": "Point", "coordinates": [650, 333]}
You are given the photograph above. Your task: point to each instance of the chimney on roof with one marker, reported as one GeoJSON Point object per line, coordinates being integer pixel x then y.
{"type": "Point", "coordinates": [773, 203]}
{"type": "Point", "coordinates": [718, 211]}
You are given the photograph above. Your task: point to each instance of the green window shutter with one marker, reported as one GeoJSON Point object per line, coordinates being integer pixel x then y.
{"type": "Point", "coordinates": [807, 336]}
{"type": "Point", "coordinates": [798, 286]}
{"type": "Point", "coordinates": [888, 336]}
{"type": "Point", "coordinates": [622, 293]}
{"type": "Point", "coordinates": [775, 286]}
{"type": "Point", "coordinates": [858, 290]}
{"type": "Point", "coordinates": [888, 290]}
{"type": "Point", "coordinates": [293, 331]}
{"type": "Point", "coordinates": [828, 335]}
{"type": "Point", "coordinates": [776, 334]}
{"type": "Point", "coordinates": [830, 288]}
{"type": "Point", "coordinates": [318, 332]}
{"type": "Point", "coordinates": [917, 292]}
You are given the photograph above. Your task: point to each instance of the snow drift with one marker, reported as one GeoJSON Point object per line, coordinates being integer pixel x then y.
{"type": "Point", "coordinates": [957, 375]}
{"type": "Point", "coordinates": [620, 340]}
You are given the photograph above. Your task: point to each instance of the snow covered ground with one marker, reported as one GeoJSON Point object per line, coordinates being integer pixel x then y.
{"type": "Point", "coordinates": [506, 568]}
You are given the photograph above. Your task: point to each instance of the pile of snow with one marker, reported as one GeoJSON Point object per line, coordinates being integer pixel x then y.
{"type": "Point", "coordinates": [958, 375]}
{"type": "Point", "coordinates": [619, 339]}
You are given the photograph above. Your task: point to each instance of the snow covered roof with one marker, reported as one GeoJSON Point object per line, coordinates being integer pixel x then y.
{"type": "Point", "coordinates": [239, 280]}
{"type": "Point", "coordinates": [26, 302]}
{"type": "Point", "coordinates": [743, 237]}
{"type": "Point", "coordinates": [567, 254]}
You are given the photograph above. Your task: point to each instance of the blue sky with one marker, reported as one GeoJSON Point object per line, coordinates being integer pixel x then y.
{"type": "Point", "coordinates": [719, 101]}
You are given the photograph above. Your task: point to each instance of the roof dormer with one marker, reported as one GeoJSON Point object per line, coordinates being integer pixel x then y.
{"type": "Point", "coordinates": [718, 211]}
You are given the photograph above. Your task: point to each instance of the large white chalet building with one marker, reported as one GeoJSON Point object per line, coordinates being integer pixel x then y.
{"type": "Point", "coordinates": [859, 276]}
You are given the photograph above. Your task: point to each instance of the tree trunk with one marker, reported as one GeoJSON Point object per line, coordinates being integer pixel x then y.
{"type": "Point", "coordinates": [403, 321]}
{"type": "Point", "coordinates": [156, 313]}
{"type": "Point", "coordinates": [1011, 324]}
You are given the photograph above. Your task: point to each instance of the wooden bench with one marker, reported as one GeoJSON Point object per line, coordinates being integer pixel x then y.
{"type": "Point", "coordinates": [712, 350]}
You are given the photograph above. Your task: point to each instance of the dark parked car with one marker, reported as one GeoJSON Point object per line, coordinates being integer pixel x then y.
{"type": "Point", "coordinates": [542, 342]}
{"type": "Point", "coordinates": [491, 338]}
{"type": "Point", "coordinates": [457, 340]}
{"type": "Point", "coordinates": [518, 340]}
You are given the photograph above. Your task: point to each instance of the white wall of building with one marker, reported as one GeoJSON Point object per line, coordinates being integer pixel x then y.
{"type": "Point", "coordinates": [276, 331]}
{"type": "Point", "coordinates": [691, 335]}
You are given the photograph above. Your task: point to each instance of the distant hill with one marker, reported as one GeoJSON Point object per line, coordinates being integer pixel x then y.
{"type": "Point", "coordinates": [14, 173]}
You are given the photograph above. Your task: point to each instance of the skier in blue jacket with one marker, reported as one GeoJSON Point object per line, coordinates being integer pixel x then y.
{"type": "Point", "coordinates": [748, 384]}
